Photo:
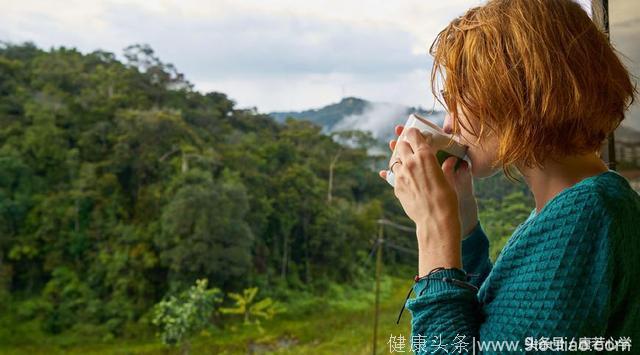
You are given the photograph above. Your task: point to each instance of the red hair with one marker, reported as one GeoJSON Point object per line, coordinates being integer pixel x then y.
{"type": "Point", "coordinates": [537, 73]}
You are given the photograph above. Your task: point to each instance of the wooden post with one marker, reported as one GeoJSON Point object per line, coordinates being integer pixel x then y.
{"type": "Point", "coordinates": [612, 140]}
{"type": "Point", "coordinates": [378, 272]}
{"type": "Point", "coordinates": [600, 15]}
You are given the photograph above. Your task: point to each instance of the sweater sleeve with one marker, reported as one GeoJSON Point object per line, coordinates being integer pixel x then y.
{"type": "Point", "coordinates": [552, 283]}
{"type": "Point", "coordinates": [475, 255]}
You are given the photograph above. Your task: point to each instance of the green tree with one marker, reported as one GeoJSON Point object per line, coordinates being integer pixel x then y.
{"type": "Point", "coordinates": [203, 232]}
{"type": "Point", "coordinates": [180, 317]}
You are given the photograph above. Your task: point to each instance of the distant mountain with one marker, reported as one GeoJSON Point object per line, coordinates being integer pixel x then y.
{"type": "Point", "coordinates": [356, 113]}
{"type": "Point", "coordinates": [329, 115]}
{"type": "Point", "coordinates": [381, 117]}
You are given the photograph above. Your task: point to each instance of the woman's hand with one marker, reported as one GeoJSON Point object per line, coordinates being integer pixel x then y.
{"type": "Point", "coordinates": [462, 182]}
{"type": "Point", "coordinates": [428, 195]}
{"type": "Point", "coordinates": [420, 184]}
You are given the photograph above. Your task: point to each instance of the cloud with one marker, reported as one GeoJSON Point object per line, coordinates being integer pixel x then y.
{"type": "Point", "coordinates": [276, 54]}
{"type": "Point", "coordinates": [296, 92]}
{"type": "Point", "coordinates": [250, 45]}
{"type": "Point", "coordinates": [379, 118]}
{"type": "Point", "coordinates": [376, 118]}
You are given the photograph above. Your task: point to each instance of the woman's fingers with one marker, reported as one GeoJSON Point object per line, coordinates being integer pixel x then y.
{"type": "Point", "coordinates": [392, 146]}
{"type": "Point", "coordinates": [448, 170]}
{"type": "Point", "coordinates": [404, 151]}
{"type": "Point", "coordinates": [392, 143]}
{"type": "Point", "coordinates": [460, 179]}
{"type": "Point", "coordinates": [417, 140]}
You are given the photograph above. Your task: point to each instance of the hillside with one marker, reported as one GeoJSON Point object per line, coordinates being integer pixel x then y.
{"type": "Point", "coordinates": [329, 115]}
{"type": "Point", "coordinates": [120, 185]}
{"type": "Point", "coordinates": [357, 113]}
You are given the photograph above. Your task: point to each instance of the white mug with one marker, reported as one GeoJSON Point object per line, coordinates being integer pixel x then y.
{"type": "Point", "coordinates": [446, 144]}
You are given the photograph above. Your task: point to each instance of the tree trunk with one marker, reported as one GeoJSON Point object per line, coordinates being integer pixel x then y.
{"type": "Point", "coordinates": [285, 248]}
{"type": "Point", "coordinates": [331, 167]}
{"type": "Point", "coordinates": [307, 263]}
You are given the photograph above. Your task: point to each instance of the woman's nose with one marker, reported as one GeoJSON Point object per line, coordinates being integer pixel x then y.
{"type": "Point", "coordinates": [447, 125]}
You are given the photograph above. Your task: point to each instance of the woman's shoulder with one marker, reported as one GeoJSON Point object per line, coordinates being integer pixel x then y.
{"type": "Point", "coordinates": [616, 197]}
{"type": "Point", "coordinates": [594, 202]}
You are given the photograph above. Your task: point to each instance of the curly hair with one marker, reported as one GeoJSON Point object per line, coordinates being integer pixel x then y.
{"type": "Point", "coordinates": [537, 73]}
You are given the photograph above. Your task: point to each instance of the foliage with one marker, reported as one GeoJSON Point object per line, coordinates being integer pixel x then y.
{"type": "Point", "coordinates": [185, 315]}
{"type": "Point", "coordinates": [68, 300]}
{"type": "Point", "coordinates": [251, 309]}
{"type": "Point", "coordinates": [120, 184]}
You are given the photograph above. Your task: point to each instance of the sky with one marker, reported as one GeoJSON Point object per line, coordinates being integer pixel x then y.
{"type": "Point", "coordinates": [275, 55]}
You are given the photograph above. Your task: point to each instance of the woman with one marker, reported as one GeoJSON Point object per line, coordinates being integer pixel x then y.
{"type": "Point", "coordinates": [535, 86]}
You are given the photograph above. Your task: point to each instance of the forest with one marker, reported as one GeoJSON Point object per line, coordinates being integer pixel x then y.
{"type": "Point", "coordinates": [121, 186]}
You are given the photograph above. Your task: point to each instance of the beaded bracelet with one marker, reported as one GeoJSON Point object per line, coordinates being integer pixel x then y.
{"type": "Point", "coordinates": [428, 277]}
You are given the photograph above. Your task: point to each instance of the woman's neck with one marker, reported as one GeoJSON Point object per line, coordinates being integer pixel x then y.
{"type": "Point", "coordinates": [555, 176]}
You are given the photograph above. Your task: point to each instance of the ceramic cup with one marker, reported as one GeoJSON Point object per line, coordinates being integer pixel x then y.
{"type": "Point", "coordinates": [446, 144]}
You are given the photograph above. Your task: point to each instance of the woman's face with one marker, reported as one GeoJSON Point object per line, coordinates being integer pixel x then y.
{"type": "Point", "coordinates": [482, 154]}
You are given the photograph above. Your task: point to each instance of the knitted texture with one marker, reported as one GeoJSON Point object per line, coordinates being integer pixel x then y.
{"type": "Point", "coordinates": [570, 270]}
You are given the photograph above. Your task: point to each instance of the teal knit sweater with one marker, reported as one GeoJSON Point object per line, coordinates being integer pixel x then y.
{"type": "Point", "coordinates": [570, 271]}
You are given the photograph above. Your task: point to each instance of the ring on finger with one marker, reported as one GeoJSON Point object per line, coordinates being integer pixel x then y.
{"type": "Point", "coordinates": [394, 163]}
